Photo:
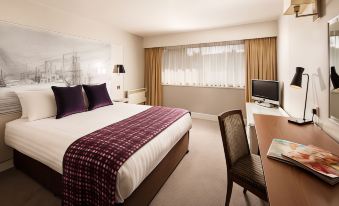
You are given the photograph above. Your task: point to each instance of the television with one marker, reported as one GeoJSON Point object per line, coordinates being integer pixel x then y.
{"type": "Point", "coordinates": [266, 92]}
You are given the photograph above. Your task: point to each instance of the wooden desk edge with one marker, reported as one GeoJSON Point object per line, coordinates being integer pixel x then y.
{"type": "Point", "coordinates": [297, 187]}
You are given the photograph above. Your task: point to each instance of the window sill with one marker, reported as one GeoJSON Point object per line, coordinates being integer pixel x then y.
{"type": "Point", "coordinates": [216, 87]}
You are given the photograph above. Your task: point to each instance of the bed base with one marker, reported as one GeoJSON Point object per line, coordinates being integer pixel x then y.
{"type": "Point", "coordinates": [143, 195]}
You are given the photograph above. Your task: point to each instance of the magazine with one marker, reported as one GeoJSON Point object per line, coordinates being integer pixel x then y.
{"type": "Point", "coordinates": [321, 163]}
{"type": "Point", "coordinates": [280, 146]}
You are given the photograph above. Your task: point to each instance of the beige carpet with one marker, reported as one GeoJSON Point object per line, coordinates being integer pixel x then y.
{"type": "Point", "coordinates": [200, 178]}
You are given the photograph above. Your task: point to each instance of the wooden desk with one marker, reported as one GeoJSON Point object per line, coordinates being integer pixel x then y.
{"type": "Point", "coordinates": [288, 185]}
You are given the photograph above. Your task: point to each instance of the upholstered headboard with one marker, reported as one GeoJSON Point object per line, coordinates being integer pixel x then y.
{"type": "Point", "coordinates": [10, 109]}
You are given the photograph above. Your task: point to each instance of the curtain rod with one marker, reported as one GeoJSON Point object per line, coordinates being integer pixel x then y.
{"type": "Point", "coordinates": [235, 42]}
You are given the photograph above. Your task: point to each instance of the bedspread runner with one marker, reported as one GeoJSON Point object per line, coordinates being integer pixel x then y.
{"type": "Point", "coordinates": [91, 163]}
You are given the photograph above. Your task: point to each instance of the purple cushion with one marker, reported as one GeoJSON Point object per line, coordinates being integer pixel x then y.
{"type": "Point", "coordinates": [69, 100]}
{"type": "Point", "coordinates": [97, 96]}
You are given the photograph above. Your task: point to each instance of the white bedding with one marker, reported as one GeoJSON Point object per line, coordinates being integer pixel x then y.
{"type": "Point", "coordinates": [46, 140]}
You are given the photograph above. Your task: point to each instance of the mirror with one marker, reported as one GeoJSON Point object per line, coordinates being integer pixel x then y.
{"type": "Point", "coordinates": [334, 69]}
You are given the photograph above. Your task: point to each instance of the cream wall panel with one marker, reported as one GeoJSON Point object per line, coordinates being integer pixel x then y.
{"type": "Point", "coordinates": [302, 42]}
{"type": "Point", "coordinates": [204, 99]}
{"type": "Point", "coordinates": [249, 31]}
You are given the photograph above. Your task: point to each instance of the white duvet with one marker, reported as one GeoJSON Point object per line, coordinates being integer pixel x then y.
{"type": "Point", "coordinates": [46, 140]}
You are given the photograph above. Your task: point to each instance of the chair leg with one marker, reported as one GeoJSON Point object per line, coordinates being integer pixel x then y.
{"type": "Point", "coordinates": [229, 192]}
{"type": "Point", "coordinates": [244, 191]}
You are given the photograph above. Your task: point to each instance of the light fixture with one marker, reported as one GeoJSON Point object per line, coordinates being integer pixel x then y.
{"type": "Point", "coordinates": [297, 83]}
{"type": "Point", "coordinates": [121, 69]}
{"type": "Point", "coordinates": [297, 8]}
{"type": "Point", "coordinates": [334, 79]}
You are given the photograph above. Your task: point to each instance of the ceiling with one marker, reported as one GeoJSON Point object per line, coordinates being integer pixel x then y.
{"type": "Point", "coordinates": [154, 17]}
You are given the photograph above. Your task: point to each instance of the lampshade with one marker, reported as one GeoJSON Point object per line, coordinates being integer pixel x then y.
{"type": "Point", "coordinates": [297, 79]}
{"type": "Point", "coordinates": [302, 3]}
{"type": "Point", "coordinates": [298, 7]}
{"type": "Point", "coordinates": [121, 68]}
{"type": "Point", "coordinates": [334, 78]}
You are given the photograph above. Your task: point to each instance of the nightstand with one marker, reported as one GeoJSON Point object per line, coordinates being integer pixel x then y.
{"type": "Point", "coordinates": [123, 100]}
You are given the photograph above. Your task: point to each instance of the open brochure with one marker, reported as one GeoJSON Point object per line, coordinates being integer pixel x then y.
{"type": "Point", "coordinates": [281, 146]}
{"type": "Point", "coordinates": [321, 163]}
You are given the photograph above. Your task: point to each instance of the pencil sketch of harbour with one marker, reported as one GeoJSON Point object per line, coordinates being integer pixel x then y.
{"type": "Point", "coordinates": [39, 58]}
{"type": "Point", "coordinates": [36, 57]}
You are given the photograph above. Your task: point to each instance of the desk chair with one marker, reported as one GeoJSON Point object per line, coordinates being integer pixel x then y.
{"type": "Point", "coordinates": [243, 168]}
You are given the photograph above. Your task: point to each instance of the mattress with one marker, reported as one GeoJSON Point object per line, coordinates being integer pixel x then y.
{"type": "Point", "coordinates": [47, 140]}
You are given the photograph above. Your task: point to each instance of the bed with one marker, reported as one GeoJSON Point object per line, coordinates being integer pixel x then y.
{"type": "Point", "coordinates": [40, 147]}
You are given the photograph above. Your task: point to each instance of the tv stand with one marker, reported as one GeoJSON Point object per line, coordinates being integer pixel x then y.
{"type": "Point", "coordinates": [265, 104]}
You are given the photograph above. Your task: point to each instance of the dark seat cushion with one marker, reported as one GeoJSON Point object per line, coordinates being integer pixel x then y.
{"type": "Point", "coordinates": [248, 170]}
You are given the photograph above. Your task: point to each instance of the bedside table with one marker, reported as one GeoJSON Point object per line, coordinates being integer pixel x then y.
{"type": "Point", "coordinates": [123, 100]}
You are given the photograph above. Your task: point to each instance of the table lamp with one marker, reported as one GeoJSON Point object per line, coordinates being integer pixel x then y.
{"type": "Point", "coordinates": [297, 83]}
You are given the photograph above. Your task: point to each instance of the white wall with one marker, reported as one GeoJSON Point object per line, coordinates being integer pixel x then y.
{"type": "Point", "coordinates": [205, 100]}
{"type": "Point", "coordinates": [249, 31]}
{"type": "Point", "coordinates": [127, 48]}
{"type": "Point", "coordinates": [302, 42]}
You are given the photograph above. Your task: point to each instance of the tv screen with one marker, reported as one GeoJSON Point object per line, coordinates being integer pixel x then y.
{"type": "Point", "coordinates": [265, 89]}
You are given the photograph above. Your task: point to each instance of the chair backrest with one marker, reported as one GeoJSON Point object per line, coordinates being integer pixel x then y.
{"type": "Point", "coordinates": [233, 135]}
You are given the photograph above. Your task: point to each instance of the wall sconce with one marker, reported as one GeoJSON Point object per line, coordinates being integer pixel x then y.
{"type": "Point", "coordinates": [297, 7]}
{"type": "Point", "coordinates": [119, 69]}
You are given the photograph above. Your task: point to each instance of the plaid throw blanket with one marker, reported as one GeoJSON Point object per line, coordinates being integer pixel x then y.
{"type": "Point", "coordinates": [91, 163]}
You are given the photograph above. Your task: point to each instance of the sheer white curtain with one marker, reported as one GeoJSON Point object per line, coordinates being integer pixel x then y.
{"type": "Point", "coordinates": [215, 65]}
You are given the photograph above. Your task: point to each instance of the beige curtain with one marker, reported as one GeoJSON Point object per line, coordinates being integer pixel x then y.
{"type": "Point", "coordinates": [153, 64]}
{"type": "Point", "coordinates": [261, 61]}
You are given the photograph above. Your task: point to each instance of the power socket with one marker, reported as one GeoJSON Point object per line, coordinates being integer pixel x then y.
{"type": "Point", "coordinates": [315, 111]}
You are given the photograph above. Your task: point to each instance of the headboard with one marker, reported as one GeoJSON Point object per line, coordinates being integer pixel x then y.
{"type": "Point", "coordinates": [10, 109]}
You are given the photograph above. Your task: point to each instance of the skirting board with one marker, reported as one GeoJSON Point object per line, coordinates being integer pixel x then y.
{"type": "Point", "coordinates": [6, 165]}
{"type": "Point", "coordinates": [209, 117]}
{"type": "Point", "coordinates": [204, 116]}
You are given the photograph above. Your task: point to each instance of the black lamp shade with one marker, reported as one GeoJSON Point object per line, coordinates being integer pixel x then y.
{"type": "Point", "coordinates": [298, 76]}
{"type": "Point", "coordinates": [334, 78]}
{"type": "Point", "coordinates": [121, 68]}
{"type": "Point", "coordinates": [297, 82]}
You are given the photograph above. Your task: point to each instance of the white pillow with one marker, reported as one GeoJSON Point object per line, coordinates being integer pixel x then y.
{"type": "Point", "coordinates": [21, 94]}
{"type": "Point", "coordinates": [23, 105]}
{"type": "Point", "coordinates": [37, 104]}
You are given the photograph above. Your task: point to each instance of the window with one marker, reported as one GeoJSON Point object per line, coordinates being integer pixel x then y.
{"type": "Point", "coordinates": [214, 65]}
